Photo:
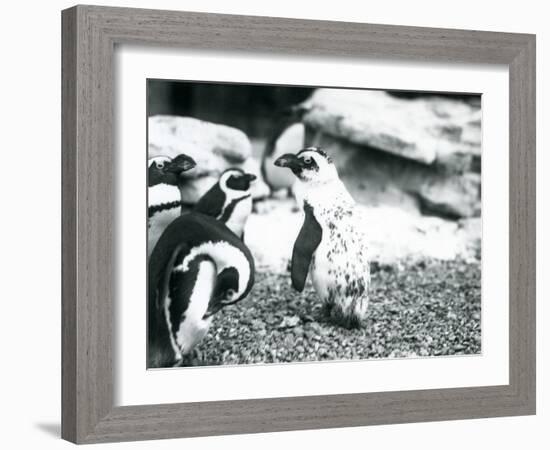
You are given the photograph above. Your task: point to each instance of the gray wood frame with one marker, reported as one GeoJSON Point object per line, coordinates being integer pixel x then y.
{"type": "Point", "coordinates": [90, 34]}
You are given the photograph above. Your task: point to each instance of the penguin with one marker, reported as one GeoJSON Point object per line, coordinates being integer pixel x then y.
{"type": "Point", "coordinates": [229, 200]}
{"type": "Point", "coordinates": [164, 198]}
{"type": "Point", "coordinates": [197, 267]}
{"type": "Point", "coordinates": [331, 245]}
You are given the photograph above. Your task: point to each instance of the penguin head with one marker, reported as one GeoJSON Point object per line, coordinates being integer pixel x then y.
{"type": "Point", "coordinates": [235, 182]}
{"type": "Point", "coordinates": [229, 200]}
{"type": "Point", "coordinates": [165, 170]}
{"type": "Point", "coordinates": [310, 165]}
{"type": "Point", "coordinates": [225, 292]}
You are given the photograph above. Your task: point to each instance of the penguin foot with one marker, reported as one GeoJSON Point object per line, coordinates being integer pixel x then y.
{"type": "Point", "coordinates": [191, 359]}
{"type": "Point", "coordinates": [289, 266]}
{"type": "Point", "coordinates": [343, 318]}
{"type": "Point", "coordinates": [289, 192]}
{"type": "Point", "coordinates": [198, 355]}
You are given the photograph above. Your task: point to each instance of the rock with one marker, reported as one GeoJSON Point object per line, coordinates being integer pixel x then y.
{"type": "Point", "coordinates": [259, 188]}
{"type": "Point", "coordinates": [428, 130]}
{"type": "Point", "coordinates": [394, 233]}
{"type": "Point", "coordinates": [257, 324]}
{"type": "Point", "coordinates": [378, 178]}
{"type": "Point", "coordinates": [290, 141]}
{"type": "Point", "coordinates": [214, 147]}
{"type": "Point", "coordinates": [270, 236]}
{"type": "Point", "coordinates": [454, 196]}
{"type": "Point", "coordinates": [470, 230]}
{"type": "Point", "coordinates": [289, 322]}
{"type": "Point", "coordinates": [421, 153]}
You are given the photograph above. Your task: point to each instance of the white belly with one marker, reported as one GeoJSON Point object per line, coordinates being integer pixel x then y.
{"type": "Point", "coordinates": [192, 332]}
{"type": "Point", "coordinates": [319, 271]}
{"type": "Point", "coordinates": [193, 328]}
{"type": "Point", "coordinates": [239, 216]}
{"type": "Point", "coordinates": [340, 270]}
{"type": "Point", "coordinates": [162, 193]}
{"type": "Point", "coordinates": [157, 225]}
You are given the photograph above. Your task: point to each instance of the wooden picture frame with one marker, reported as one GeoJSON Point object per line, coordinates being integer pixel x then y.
{"type": "Point", "coordinates": [90, 34]}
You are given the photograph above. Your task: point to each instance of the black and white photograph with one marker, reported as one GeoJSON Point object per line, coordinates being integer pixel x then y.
{"type": "Point", "coordinates": [291, 224]}
{"type": "Point", "coordinates": [270, 225]}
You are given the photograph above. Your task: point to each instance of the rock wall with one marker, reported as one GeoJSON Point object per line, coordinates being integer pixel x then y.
{"type": "Point", "coordinates": [423, 153]}
{"type": "Point", "coordinates": [406, 160]}
{"type": "Point", "coordinates": [214, 147]}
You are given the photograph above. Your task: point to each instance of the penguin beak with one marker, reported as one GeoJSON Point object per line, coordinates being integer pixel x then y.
{"type": "Point", "coordinates": [181, 163]}
{"type": "Point", "coordinates": [249, 177]}
{"type": "Point", "coordinates": [290, 161]}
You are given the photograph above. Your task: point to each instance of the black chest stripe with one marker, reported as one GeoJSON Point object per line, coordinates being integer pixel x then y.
{"type": "Point", "coordinates": [231, 207]}
{"type": "Point", "coordinates": [152, 210]}
{"type": "Point", "coordinates": [306, 243]}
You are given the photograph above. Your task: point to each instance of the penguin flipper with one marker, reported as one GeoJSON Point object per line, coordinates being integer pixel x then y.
{"type": "Point", "coordinates": [306, 243]}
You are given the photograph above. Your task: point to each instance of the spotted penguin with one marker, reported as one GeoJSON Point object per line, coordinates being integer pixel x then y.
{"type": "Point", "coordinates": [332, 244]}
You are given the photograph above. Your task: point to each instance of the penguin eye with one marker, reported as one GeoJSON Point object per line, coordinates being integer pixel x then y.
{"type": "Point", "coordinates": [160, 165]}
{"type": "Point", "coordinates": [307, 160]}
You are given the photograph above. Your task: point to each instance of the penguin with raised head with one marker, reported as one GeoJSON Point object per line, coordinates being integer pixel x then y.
{"type": "Point", "coordinates": [197, 267]}
{"type": "Point", "coordinates": [163, 192]}
{"type": "Point", "coordinates": [331, 244]}
{"type": "Point", "coordinates": [229, 200]}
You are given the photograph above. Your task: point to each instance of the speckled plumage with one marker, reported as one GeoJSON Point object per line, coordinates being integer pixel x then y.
{"type": "Point", "coordinates": [339, 267]}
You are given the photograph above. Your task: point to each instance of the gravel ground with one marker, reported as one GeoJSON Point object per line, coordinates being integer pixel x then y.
{"type": "Point", "coordinates": [419, 309]}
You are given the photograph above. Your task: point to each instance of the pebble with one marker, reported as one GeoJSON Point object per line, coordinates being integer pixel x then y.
{"type": "Point", "coordinates": [416, 310]}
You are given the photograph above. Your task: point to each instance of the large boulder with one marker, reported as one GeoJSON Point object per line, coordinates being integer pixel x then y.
{"type": "Point", "coordinates": [454, 196]}
{"type": "Point", "coordinates": [426, 129]}
{"type": "Point", "coordinates": [214, 147]}
{"type": "Point", "coordinates": [420, 154]}
{"type": "Point", "coordinates": [290, 141]}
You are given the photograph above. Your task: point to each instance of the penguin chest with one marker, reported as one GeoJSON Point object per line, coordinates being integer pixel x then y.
{"type": "Point", "coordinates": [165, 201]}
{"type": "Point", "coordinates": [192, 327]}
{"type": "Point", "coordinates": [238, 216]}
{"type": "Point", "coordinates": [340, 265]}
{"type": "Point", "coordinates": [192, 332]}
{"type": "Point", "coordinates": [325, 268]}
{"type": "Point", "coordinates": [158, 223]}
